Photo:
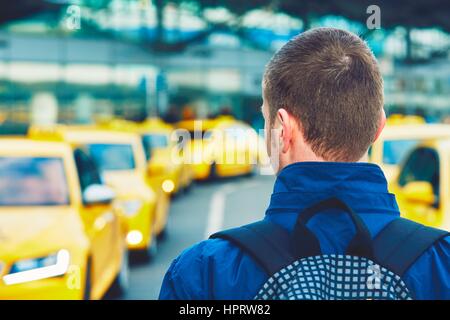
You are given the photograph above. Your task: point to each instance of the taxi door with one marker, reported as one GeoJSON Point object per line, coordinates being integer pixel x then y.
{"type": "Point", "coordinates": [101, 224]}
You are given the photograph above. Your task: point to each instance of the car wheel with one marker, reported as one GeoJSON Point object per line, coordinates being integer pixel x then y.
{"type": "Point", "coordinates": [87, 282]}
{"type": "Point", "coordinates": [187, 188]}
{"type": "Point", "coordinates": [253, 171]}
{"type": "Point", "coordinates": [163, 234]}
{"type": "Point", "coordinates": [213, 172]}
{"type": "Point", "coordinates": [152, 249]}
{"type": "Point", "coordinates": [121, 282]}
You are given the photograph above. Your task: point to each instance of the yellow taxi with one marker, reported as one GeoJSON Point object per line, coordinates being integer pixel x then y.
{"type": "Point", "coordinates": [164, 155]}
{"type": "Point", "coordinates": [422, 186]}
{"type": "Point", "coordinates": [220, 147]}
{"type": "Point", "coordinates": [157, 180]}
{"type": "Point", "coordinates": [120, 159]}
{"type": "Point", "coordinates": [60, 237]}
{"type": "Point", "coordinates": [396, 141]}
{"type": "Point", "coordinates": [166, 167]}
{"type": "Point", "coordinates": [195, 149]}
{"type": "Point", "coordinates": [399, 119]}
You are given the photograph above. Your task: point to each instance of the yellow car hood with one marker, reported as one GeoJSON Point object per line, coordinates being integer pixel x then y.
{"type": "Point", "coordinates": [128, 184]}
{"type": "Point", "coordinates": [28, 232]}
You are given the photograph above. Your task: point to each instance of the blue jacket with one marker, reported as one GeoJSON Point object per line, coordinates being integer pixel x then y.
{"type": "Point", "coordinates": [216, 269]}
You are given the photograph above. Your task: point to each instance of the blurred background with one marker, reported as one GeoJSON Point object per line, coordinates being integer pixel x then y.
{"type": "Point", "coordinates": [156, 63]}
{"type": "Point", "coordinates": [132, 58]}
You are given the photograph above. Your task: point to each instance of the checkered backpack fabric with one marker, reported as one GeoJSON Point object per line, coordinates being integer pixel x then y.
{"type": "Point", "coordinates": [332, 277]}
{"type": "Point", "coordinates": [369, 269]}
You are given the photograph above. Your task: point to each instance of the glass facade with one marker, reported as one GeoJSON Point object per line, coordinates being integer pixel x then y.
{"type": "Point", "coordinates": [102, 57]}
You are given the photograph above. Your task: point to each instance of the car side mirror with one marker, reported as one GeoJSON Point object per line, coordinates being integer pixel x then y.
{"type": "Point", "coordinates": [419, 191]}
{"type": "Point", "coordinates": [98, 194]}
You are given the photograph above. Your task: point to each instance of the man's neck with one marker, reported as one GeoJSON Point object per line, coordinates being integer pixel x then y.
{"type": "Point", "coordinates": [310, 156]}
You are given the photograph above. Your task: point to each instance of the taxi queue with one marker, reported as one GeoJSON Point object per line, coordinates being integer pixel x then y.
{"type": "Point", "coordinates": [76, 200]}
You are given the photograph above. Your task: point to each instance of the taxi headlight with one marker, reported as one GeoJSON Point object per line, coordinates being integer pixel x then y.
{"type": "Point", "coordinates": [168, 186]}
{"type": "Point", "coordinates": [39, 268]}
{"type": "Point", "coordinates": [134, 237]}
{"type": "Point", "coordinates": [130, 207]}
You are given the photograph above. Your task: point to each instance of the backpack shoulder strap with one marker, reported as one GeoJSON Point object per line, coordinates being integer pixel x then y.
{"type": "Point", "coordinates": [265, 242]}
{"type": "Point", "coordinates": [402, 242]}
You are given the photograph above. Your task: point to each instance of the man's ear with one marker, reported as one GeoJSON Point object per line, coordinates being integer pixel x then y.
{"type": "Point", "coordinates": [381, 125]}
{"type": "Point", "coordinates": [286, 124]}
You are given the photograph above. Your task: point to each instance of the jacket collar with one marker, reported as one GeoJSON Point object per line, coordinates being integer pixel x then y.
{"type": "Point", "coordinates": [362, 186]}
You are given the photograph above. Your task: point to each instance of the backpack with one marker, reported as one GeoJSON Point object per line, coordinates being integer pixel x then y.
{"type": "Point", "coordinates": [369, 269]}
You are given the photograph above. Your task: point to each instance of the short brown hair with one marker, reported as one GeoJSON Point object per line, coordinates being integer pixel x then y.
{"type": "Point", "coordinates": [329, 80]}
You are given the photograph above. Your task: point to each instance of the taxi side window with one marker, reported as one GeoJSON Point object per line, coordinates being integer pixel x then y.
{"type": "Point", "coordinates": [421, 165]}
{"type": "Point", "coordinates": [87, 171]}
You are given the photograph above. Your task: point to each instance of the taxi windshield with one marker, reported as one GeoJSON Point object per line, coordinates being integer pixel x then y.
{"type": "Point", "coordinates": [152, 141]}
{"type": "Point", "coordinates": [26, 181]}
{"type": "Point", "coordinates": [112, 157]}
{"type": "Point", "coordinates": [394, 151]}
